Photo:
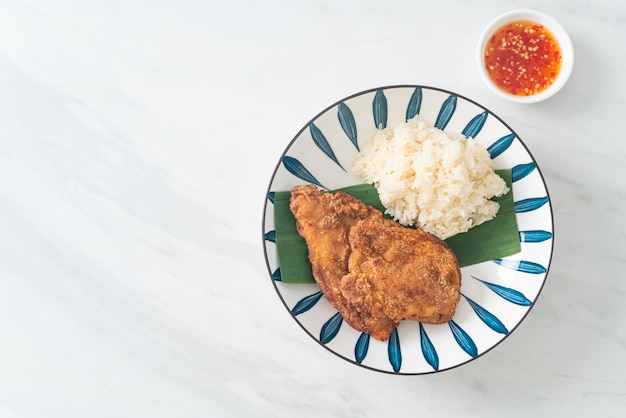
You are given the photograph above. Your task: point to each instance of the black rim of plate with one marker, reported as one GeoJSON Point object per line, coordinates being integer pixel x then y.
{"type": "Point", "coordinates": [384, 88]}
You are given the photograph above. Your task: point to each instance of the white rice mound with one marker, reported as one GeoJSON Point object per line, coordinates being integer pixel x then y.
{"type": "Point", "coordinates": [426, 177]}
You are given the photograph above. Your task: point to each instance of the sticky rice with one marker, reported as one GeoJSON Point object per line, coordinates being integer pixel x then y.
{"type": "Point", "coordinates": [441, 182]}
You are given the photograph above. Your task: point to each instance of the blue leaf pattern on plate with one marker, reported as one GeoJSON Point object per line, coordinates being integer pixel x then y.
{"type": "Point", "coordinates": [270, 196]}
{"type": "Point", "coordinates": [322, 143]}
{"type": "Point", "coordinates": [522, 170]}
{"type": "Point", "coordinates": [487, 317]}
{"type": "Point", "coordinates": [415, 104]}
{"type": "Point", "coordinates": [475, 125]}
{"type": "Point", "coordinates": [361, 347]}
{"type": "Point", "coordinates": [534, 236]}
{"type": "Point", "coordinates": [428, 349]}
{"type": "Point", "coordinates": [508, 294]}
{"type": "Point", "coordinates": [530, 204]}
{"type": "Point", "coordinates": [276, 275]}
{"type": "Point", "coordinates": [346, 120]}
{"type": "Point", "coordinates": [379, 108]}
{"type": "Point", "coordinates": [393, 350]}
{"type": "Point", "coordinates": [523, 266]}
{"type": "Point", "coordinates": [306, 303]}
{"type": "Point", "coordinates": [446, 112]}
{"type": "Point", "coordinates": [270, 236]}
{"type": "Point", "coordinates": [331, 328]}
{"type": "Point", "coordinates": [295, 167]}
{"type": "Point", "coordinates": [463, 339]}
{"type": "Point", "coordinates": [500, 145]}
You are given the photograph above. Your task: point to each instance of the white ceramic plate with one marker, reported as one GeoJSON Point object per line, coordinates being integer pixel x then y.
{"type": "Point", "coordinates": [496, 295]}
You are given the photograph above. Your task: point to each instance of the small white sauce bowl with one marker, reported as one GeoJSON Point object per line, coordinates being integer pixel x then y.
{"type": "Point", "coordinates": [567, 53]}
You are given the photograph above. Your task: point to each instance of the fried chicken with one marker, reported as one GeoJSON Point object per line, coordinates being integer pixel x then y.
{"type": "Point", "coordinates": [374, 271]}
{"type": "Point", "coordinates": [401, 273]}
{"type": "Point", "coordinates": [324, 221]}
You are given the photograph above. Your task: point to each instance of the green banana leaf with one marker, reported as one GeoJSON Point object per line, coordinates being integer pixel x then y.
{"type": "Point", "coordinates": [494, 239]}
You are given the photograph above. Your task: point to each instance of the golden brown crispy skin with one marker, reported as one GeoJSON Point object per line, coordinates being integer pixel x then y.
{"type": "Point", "coordinates": [402, 273]}
{"type": "Point", "coordinates": [374, 271]}
{"type": "Point", "coordinates": [324, 220]}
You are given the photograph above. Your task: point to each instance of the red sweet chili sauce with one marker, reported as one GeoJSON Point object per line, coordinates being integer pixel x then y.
{"type": "Point", "coordinates": [523, 58]}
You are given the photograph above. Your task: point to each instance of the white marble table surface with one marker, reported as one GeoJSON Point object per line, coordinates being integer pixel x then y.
{"type": "Point", "coordinates": [137, 139]}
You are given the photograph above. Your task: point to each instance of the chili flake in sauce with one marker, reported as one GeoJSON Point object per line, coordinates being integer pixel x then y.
{"type": "Point", "coordinates": [523, 58]}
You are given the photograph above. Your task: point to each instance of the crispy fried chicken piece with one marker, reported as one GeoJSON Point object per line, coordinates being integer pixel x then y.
{"type": "Point", "coordinates": [402, 273]}
{"type": "Point", "coordinates": [374, 271]}
{"type": "Point", "coordinates": [324, 220]}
